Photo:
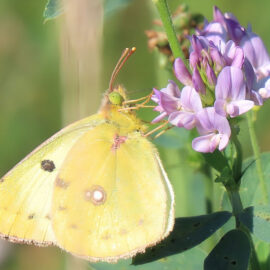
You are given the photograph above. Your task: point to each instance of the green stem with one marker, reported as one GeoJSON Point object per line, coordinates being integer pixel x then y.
{"type": "Point", "coordinates": [165, 16]}
{"type": "Point", "coordinates": [237, 166]}
{"type": "Point", "coordinates": [237, 207]}
{"type": "Point", "coordinates": [236, 203]}
{"type": "Point", "coordinates": [256, 153]}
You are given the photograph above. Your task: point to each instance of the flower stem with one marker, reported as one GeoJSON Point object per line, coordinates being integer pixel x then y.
{"type": "Point", "coordinates": [237, 168]}
{"type": "Point", "coordinates": [256, 153]}
{"type": "Point", "coordinates": [237, 207]}
{"type": "Point", "coordinates": [165, 16]}
{"type": "Point", "coordinates": [236, 203]}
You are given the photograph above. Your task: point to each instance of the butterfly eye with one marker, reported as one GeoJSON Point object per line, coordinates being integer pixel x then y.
{"type": "Point", "coordinates": [115, 98]}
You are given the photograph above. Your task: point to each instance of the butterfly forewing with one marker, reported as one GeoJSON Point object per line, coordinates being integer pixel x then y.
{"type": "Point", "coordinates": [26, 191]}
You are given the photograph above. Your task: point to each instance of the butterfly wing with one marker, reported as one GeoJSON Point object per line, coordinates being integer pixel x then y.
{"type": "Point", "coordinates": [26, 191]}
{"type": "Point", "coordinates": [112, 198]}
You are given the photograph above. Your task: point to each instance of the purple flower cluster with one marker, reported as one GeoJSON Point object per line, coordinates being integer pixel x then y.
{"type": "Point", "coordinates": [229, 73]}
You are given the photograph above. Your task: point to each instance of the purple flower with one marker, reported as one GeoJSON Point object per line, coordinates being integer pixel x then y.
{"type": "Point", "coordinates": [252, 45]}
{"type": "Point", "coordinates": [199, 48]}
{"type": "Point", "coordinates": [231, 93]}
{"type": "Point", "coordinates": [230, 23]}
{"type": "Point", "coordinates": [256, 53]}
{"type": "Point", "coordinates": [215, 131]}
{"type": "Point", "coordinates": [168, 100]}
{"type": "Point", "coordinates": [190, 105]}
{"type": "Point", "coordinates": [184, 76]}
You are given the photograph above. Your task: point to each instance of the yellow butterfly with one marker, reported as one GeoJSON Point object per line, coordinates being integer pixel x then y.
{"type": "Point", "coordinates": [96, 189]}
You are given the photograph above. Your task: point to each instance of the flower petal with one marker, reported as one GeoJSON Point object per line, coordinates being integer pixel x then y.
{"type": "Point", "coordinates": [256, 53]}
{"type": "Point", "coordinates": [183, 119]}
{"type": "Point", "coordinates": [172, 89]}
{"type": "Point", "coordinates": [190, 99]}
{"type": "Point", "coordinates": [181, 72]}
{"type": "Point", "coordinates": [197, 81]}
{"type": "Point", "coordinates": [220, 107]}
{"type": "Point", "coordinates": [239, 107]}
{"type": "Point", "coordinates": [211, 76]}
{"type": "Point", "coordinates": [224, 140]}
{"type": "Point", "coordinates": [159, 117]}
{"type": "Point", "coordinates": [211, 123]}
{"type": "Point", "coordinates": [216, 33]}
{"type": "Point", "coordinates": [206, 144]}
{"type": "Point", "coordinates": [230, 84]}
{"type": "Point", "coordinates": [233, 54]}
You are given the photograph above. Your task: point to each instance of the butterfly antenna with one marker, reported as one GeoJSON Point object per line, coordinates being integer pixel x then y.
{"type": "Point", "coordinates": [122, 60]}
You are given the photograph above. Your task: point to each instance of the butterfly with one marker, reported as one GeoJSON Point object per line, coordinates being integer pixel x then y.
{"type": "Point", "coordinates": [96, 189]}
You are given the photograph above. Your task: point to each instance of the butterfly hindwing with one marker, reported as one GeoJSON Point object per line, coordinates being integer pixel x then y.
{"type": "Point", "coordinates": [96, 189]}
{"type": "Point", "coordinates": [111, 197]}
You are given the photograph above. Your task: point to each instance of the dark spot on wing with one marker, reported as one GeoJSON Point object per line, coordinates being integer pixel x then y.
{"type": "Point", "coordinates": [48, 217]}
{"type": "Point", "coordinates": [47, 165]}
{"type": "Point", "coordinates": [62, 208]}
{"type": "Point", "coordinates": [31, 216]}
{"type": "Point", "coordinates": [73, 226]}
{"type": "Point", "coordinates": [2, 180]}
{"type": "Point", "coordinates": [61, 183]}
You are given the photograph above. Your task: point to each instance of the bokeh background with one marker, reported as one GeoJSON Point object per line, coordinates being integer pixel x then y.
{"type": "Point", "coordinates": [54, 73]}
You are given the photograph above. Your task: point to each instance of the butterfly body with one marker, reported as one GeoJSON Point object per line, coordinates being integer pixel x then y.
{"type": "Point", "coordinates": [96, 189]}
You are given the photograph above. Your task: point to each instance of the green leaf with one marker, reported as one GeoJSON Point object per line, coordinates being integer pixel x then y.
{"type": "Point", "coordinates": [263, 253]}
{"type": "Point", "coordinates": [53, 9]}
{"type": "Point", "coordinates": [216, 160]}
{"type": "Point", "coordinates": [191, 260]}
{"type": "Point", "coordinates": [225, 176]}
{"type": "Point", "coordinates": [111, 6]}
{"type": "Point", "coordinates": [257, 220]}
{"type": "Point", "coordinates": [231, 253]}
{"type": "Point", "coordinates": [250, 189]}
{"type": "Point", "coordinates": [187, 233]}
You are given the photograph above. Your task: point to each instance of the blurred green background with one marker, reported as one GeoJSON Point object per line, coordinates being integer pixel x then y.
{"type": "Point", "coordinates": [54, 73]}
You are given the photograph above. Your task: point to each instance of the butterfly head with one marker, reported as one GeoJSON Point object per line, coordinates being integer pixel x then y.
{"type": "Point", "coordinates": [117, 96]}
{"type": "Point", "coordinates": [115, 106]}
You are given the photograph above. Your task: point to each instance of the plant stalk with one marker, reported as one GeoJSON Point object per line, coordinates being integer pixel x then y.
{"type": "Point", "coordinates": [165, 16]}
{"type": "Point", "coordinates": [237, 207]}
{"type": "Point", "coordinates": [237, 168]}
